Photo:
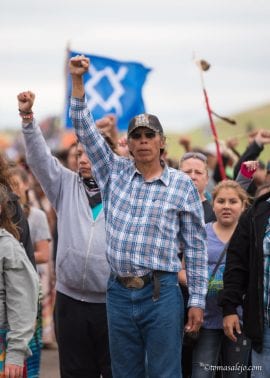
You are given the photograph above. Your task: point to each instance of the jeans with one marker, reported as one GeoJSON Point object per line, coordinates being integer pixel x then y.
{"type": "Point", "coordinates": [82, 336]}
{"type": "Point", "coordinates": [140, 326]}
{"type": "Point", "coordinates": [261, 361]}
{"type": "Point", "coordinates": [216, 352]}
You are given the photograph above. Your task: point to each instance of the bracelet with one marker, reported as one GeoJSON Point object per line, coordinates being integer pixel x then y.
{"type": "Point", "coordinates": [23, 112]}
{"type": "Point", "coordinates": [27, 116]}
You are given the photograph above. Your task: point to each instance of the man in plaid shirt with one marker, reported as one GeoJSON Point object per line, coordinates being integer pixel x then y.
{"type": "Point", "coordinates": [150, 211]}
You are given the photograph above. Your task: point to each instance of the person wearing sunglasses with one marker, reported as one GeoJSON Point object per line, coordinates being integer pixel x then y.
{"type": "Point", "coordinates": [149, 210]}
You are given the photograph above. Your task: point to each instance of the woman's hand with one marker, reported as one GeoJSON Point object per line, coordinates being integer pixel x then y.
{"type": "Point", "coordinates": [13, 371]}
{"type": "Point", "coordinates": [231, 326]}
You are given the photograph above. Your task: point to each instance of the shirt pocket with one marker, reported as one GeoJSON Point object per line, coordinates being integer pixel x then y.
{"type": "Point", "coordinates": [166, 214]}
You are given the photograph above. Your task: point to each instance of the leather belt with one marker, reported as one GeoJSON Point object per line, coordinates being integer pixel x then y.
{"type": "Point", "coordinates": [140, 282]}
{"type": "Point", "coordinates": [135, 282]}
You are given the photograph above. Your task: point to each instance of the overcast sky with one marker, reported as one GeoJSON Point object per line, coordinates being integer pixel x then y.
{"type": "Point", "coordinates": [233, 35]}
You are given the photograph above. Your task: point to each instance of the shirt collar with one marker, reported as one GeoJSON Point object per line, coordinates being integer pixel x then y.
{"type": "Point", "coordinates": [164, 178]}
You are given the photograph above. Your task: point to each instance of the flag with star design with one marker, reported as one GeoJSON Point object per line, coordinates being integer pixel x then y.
{"type": "Point", "coordinates": [111, 87]}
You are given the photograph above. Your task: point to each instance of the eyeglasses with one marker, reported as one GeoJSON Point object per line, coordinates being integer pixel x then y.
{"type": "Point", "coordinates": [149, 134]}
{"type": "Point", "coordinates": [194, 155]}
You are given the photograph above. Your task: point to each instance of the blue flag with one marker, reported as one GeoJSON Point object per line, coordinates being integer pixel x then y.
{"type": "Point", "coordinates": [113, 87]}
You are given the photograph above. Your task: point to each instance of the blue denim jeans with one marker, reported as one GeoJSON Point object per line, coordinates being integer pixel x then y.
{"type": "Point", "coordinates": [216, 352]}
{"type": "Point", "coordinates": [261, 361]}
{"type": "Point", "coordinates": [140, 326]}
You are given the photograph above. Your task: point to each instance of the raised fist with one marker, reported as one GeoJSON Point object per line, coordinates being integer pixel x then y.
{"type": "Point", "coordinates": [262, 137]}
{"type": "Point", "coordinates": [26, 101]}
{"type": "Point", "coordinates": [78, 65]}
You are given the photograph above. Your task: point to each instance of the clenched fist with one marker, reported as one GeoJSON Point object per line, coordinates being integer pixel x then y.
{"type": "Point", "coordinates": [26, 101]}
{"type": "Point", "coordinates": [78, 65]}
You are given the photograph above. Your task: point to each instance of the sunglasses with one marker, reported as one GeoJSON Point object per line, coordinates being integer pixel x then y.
{"type": "Point", "coordinates": [149, 134]}
{"type": "Point", "coordinates": [194, 155]}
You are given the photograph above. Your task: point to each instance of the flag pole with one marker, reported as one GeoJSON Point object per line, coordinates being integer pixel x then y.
{"type": "Point", "coordinates": [67, 51]}
{"type": "Point", "coordinates": [204, 66]}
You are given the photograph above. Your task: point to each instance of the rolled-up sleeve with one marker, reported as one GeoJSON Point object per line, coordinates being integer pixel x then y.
{"type": "Point", "coordinates": [98, 151]}
{"type": "Point", "coordinates": [22, 288]}
{"type": "Point", "coordinates": [194, 245]}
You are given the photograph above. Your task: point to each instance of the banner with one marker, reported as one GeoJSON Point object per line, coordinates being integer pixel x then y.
{"type": "Point", "coordinates": [111, 87]}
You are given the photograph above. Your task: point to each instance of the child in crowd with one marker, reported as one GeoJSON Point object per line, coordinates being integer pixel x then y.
{"type": "Point", "coordinates": [213, 348]}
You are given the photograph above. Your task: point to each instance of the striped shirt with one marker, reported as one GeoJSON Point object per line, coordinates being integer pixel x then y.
{"type": "Point", "coordinates": [266, 277]}
{"type": "Point", "coordinates": [146, 221]}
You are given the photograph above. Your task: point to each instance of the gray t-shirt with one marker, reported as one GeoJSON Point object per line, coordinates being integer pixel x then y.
{"type": "Point", "coordinates": [39, 226]}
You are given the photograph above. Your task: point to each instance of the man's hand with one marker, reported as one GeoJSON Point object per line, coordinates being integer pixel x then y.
{"type": "Point", "coordinates": [232, 142]}
{"type": "Point", "coordinates": [185, 141]}
{"type": "Point", "coordinates": [78, 65]}
{"type": "Point", "coordinates": [26, 101]}
{"type": "Point", "coordinates": [13, 371]}
{"type": "Point", "coordinates": [108, 126]}
{"type": "Point", "coordinates": [231, 325]}
{"type": "Point", "coordinates": [122, 147]}
{"type": "Point", "coordinates": [195, 319]}
{"type": "Point", "coordinates": [262, 137]}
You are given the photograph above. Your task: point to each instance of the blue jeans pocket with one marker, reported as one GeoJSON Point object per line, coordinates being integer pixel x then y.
{"type": "Point", "coordinates": [111, 282]}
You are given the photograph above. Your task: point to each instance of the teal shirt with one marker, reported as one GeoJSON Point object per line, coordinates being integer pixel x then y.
{"type": "Point", "coordinates": [96, 210]}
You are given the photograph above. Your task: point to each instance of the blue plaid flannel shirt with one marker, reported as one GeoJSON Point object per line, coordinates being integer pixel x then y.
{"type": "Point", "coordinates": [146, 221]}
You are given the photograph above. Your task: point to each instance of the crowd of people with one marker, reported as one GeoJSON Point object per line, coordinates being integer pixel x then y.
{"type": "Point", "coordinates": [134, 264]}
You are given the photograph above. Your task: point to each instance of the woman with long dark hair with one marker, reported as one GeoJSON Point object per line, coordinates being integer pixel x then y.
{"type": "Point", "coordinates": [18, 295]}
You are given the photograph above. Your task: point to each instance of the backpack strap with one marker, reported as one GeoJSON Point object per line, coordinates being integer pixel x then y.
{"type": "Point", "coordinates": [218, 263]}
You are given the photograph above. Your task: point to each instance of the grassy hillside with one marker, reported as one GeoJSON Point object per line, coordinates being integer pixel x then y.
{"type": "Point", "coordinates": [252, 119]}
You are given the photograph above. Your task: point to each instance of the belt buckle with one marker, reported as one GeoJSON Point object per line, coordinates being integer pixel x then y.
{"type": "Point", "coordinates": [135, 283]}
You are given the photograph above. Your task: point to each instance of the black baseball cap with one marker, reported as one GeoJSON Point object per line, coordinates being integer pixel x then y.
{"type": "Point", "coordinates": [145, 120]}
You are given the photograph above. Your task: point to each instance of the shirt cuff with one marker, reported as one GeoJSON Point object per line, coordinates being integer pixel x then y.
{"type": "Point", "coordinates": [29, 126]}
{"type": "Point", "coordinates": [77, 103]}
{"type": "Point", "coordinates": [197, 300]}
{"type": "Point", "coordinates": [229, 309]}
{"type": "Point", "coordinates": [15, 358]}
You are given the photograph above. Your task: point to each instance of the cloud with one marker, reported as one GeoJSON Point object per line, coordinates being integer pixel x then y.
{"type": "Point", "coordinates": [232, 35]}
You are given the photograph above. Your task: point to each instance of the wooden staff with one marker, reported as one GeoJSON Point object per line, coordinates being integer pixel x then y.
{"type": "Point", "coordinates": [204, 66]}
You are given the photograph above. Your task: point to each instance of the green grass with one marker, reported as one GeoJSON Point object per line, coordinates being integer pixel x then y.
{"type": "Point", "coordinates": [253, 119]}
